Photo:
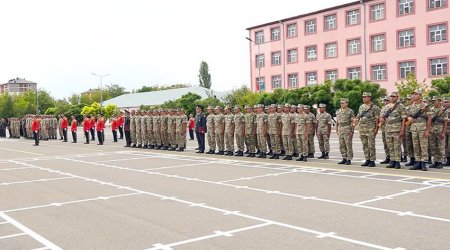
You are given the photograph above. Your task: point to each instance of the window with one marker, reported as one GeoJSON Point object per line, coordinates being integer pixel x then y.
{"type": "Point", "coordinates": [292, 30]}
{"type": "Point", "coordinates": [293, 80]}
{"type": "Point", "coordinates": [259, 37]}
{"type": "Point", "coordinates": [354, 46]}
{"type": "Point", "coordinates": [379, 72]}
{"type": "Point", "coordinates": [311, 78]}
{"type": "Point", "coordinates": [377, 12]}
{"type": "Point", "coordinates": [311, 53]}
{"type": "Point", "coordinates": [406, 68]}
{"type": "Point", "coordinates": [439, 67]}
{"type": "Point", "coordinates": [354, 73]}
{"type": "Point", "coordinates": [260, 83]}
{"type": "Point", "coordinates": [310, 26]}
{"type": "Point", "coordinates": [378, 43]}
{"type": "Point", "coordinates": [331, 75]}
{"type": "Point", "coordinates": [330, 50]}
{"type": "Point", "coordinates": [276, 58]}
{"type": "Point", "coordinates": [292, 56]}
{"type": "Point", "coordinates": [276, 82]}
{"type": "Point", "coordinates": [275, 34]}
{"type": "Point", "coordinates": [330, 22]}
{"type": "Point", "coordinates": [435, 4]}
{"type": "Point", "coordinates": [405, 7]}
{"type": "Point", "coordinates": [437, 33]}
{"type": "Point", "coordinates": [260, 60]}
{"type": "Point", "coordinates": [353, 17]}
{"type": "Point", "coordinates": [406, 38]}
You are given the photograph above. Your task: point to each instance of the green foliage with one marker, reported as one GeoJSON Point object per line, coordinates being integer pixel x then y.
{"type": "Point", "coordinates": [440, 87]}
{"type": "Point", "coordinates": [115, 90]}
{"type": "Point", "coordinates": [94, 96]}
{"type": "Point", "coordinates": [6, 106]}
{"type": "Point", "coordinates": [406, 87]}
{"type": "Point", "coordinates": [204, 76]}
{"type": "Point", "coordinates": [158, 88]}
{"type": "Point", "coordinates": [110, 110]}
{"type": "Point", "coordinates": [237, 96]}
{"type": "Point", "coordinates": [353, 90]}
{"type": "Point", "coordinates": [93, 109]}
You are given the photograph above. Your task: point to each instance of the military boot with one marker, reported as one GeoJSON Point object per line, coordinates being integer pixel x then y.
{"type": "Point", "coordinates": [273, 156]}
{"type": "Point", "coordinates": [326, 156]}
{"type": "Point", "coordinates": [371, 164]}
{"type": "Point", "coordinates": [299, 158]}
{"type": "Point", "coordinates": [397, 165]}
{"type": "Point", "coordinates": [391, 164]}
{"type": "Point", "coordinates": [342, 162]}
{"type": "Point", "coordinates": [386, 161]}
{"type": "Point", "coordinates": [424, 166]}
{"type": "Point", "coordinates": [411, 162]}
{"type": "Point", "coordinates": [287, 158]}
{"type": "Point", "coordinates": [439, 165]}
{"type": "Point", "coordinates": [433, 165]}
{"type": "Point", "coordinates": [311, 155]}
{"type": "Point", "coordinates": [349, 162]}
{"type": "Point", "coordinates": [262, 155]}
{"type": "Point", "coordinates": [429, 160]}
{"type": "Point", "coordinates": [366, 163]}
{"type": "Point", "coordinates": [417, 165]}
{"type": "Point", "coordinates": [322, 156]}
{"type": "Point", "coordinates": [447, 163]}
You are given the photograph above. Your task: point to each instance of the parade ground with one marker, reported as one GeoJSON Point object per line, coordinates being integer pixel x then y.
{"type": "Point", "coordinates": [75, 196]}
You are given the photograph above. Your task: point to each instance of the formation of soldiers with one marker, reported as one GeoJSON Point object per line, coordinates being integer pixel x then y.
{"type": "Point", "coordinates": [21, 127]}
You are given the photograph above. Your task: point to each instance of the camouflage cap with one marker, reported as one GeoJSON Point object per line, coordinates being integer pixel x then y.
{"type": "Point", "coordinates": [386, 98]}
{"type": "Point", "coordinates": [425, 99]}
{"type": "Point", "coordinates": [322, 105]}
{"type": "Point", "coordinates": [344, 100]}
{"type": "Point", "coordinates": [394, 94]}
{"type": "Point", "coordinates": [447, 99]}
{"type": "Point", "coordinates": [218, 108]}
{"type": "Point", "coordinates": [293, 107]}
{"type": "Point", "coordinates": [273, 106]}
{"type": "Point", "coordinates": [255, 106]}
{"type": "Point", "coordinates": [300, 106]}
{"type": "Point", "coordinates": [237, 107]}
{"type": "Point", "coordinates": [259, 106]}
{"type": "Point", "coordinates": [306, 107]}
{"type": "Point", "coordinates": [418, 91]}
{"type": "Point", "coordinates": [287, 105]}
{"type": "Point", "coordinates": [279, 106]}
{"type": "Point", "coordinates": [367, 94]}
{"type": "Point", "coordinates": [210, 107]}
{"type": "Point", "coordinates": [435, 98]}
{"type": "Point", "coordinates": [227, 107]}
{"type": "Point", "coordinates": [408, 97]}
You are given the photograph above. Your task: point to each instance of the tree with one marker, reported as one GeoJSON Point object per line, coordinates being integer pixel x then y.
{"type": "Point", "coordinates": [115, 90]}
{"type": "Point", "coordinates": [6, 106]}
{"type": "Point", "coordinates": [204, 76]}
{"type": "Point", "coordinates": [110, 110]}
{"type": "Point", "coordinates": [440, 87]}
{"type": "Point", "coordinates": [75, 99]}
{"type": "Point", "coordinates": [407, 87]}
{"type": "Point", "coordinates": [353, 90]}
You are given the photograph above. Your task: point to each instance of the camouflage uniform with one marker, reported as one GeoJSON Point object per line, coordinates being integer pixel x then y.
{"type": "Point", "coordinates": [170, 130]}
{"type": "Point", "coordinates": [144, 130]}
{"type": "Point", "coordinates": [418, 127]}
{"type": "Point", "coordinates": [219, 123]}
{"type": "Point", "coordinates": [157, 130]}
{"type": "Point", "coordinates": [180, 130]}
{"type": "Point", "coordinates": [408, 140]}
{"type": "Point", "coordinates": [286, 132]}
{"type": "Point", "coordinates": [345, 132]}
{"type": "Point", "coordinates": [239, 120]}
{"type": "Point", "coordinates": [249, 135]}
{"type": "Point", "coordinates": [164, 128]}
{"type": "Point", "coordinates": [138, 130]}
{"type": "Point", "coordinates": [261, 123]}
{"type": "Point", "coordinates": [229, 132]}
{"type": "Point", "coordinates": [312, 132]}
{"type": "Point", "coordinates": [393, 124]}
{"type": "Point", "coordinates": [437, 145]}
{"type": "Point", "coordinates": [302, 120]}
{"type": "Point", "coordinates": [210, 131]}
{"type": "Point", "coordinates": [447, 135]}
{"type": "Point", "coordinates": [274, 120]}
{"type": "Point", "coordinates": [323, 121]}
{"type": "Point", "coordinates": [150, 134]}
{"type": "Point", "coordinates": [383, 133]}
{"type": "Point", "coordinates": [133, 129]}
{"type": "Point", "coordinates": [367, 125]}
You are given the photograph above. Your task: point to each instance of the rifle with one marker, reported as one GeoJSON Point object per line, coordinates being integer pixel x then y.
{"type": "Point", "coordinates": [437, 116]}
{"type": "Point", "coordinates": [361, 115]}
{"type": "Point", "coordinates": [412, 118]}
{"type": "Point", "coordinates": [388, 113]}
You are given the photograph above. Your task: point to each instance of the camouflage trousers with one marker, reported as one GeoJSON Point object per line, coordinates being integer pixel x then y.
{"type": "Point", "coordinates": [302, 145]}
{"type": "Point", "coordinates": [250, 142]}
{"type": "Point", "coordinates": [420, 145]}
{"type": "Point", "coordinates": [157, 137]}
{"type": "Point", "coordinates": [324, 141]}
{"type": "Point", "coordinates": [275, 143]}
{"type": "Point", "coordinates": [409, 145]}
{"type": "Point", "coordinates": [220, 142]}
{"type": "Point", "coordinates": [368, 142]}
{"type": "Point", "coordinates": [150, 136]}
{"type": "Point", "coordinates": [229, 141]}
{"type": "Point", "coordinates": [288, 143]}
{"type": "Point", "coordinates": [60, 130]}
{"type": "Point", "coordinates": [385, 145]}
{"type": "Point", "coordinates": [240, 140]}
{"type": "Point", "coordinates": [181, 139]}
{"type": "Point", "coordinates": [211, 141]}
{"type": "Point", "coordinates": [437, 146]}
{"type": "Point", "coordinates": [311, 148]}
{"type": "Point", "coordinates": [165, 139]}
{"type": "Point", "coordinates": [262, 142]}
{"type": "Point", "coordinates": [346, 145]}
{"type": "Point", "coordinates": [394, 144]}
{"type": "Point", "coordinates": [138, 135]}
{"type": "Point", "coordinates": [133, 134]}
{"type": "Point", "coordinates": [144, 135]}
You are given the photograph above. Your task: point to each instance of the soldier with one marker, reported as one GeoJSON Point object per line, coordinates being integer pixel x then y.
{"type": "Point", "coordinates": [150, 134]}
{"type": "Point", "coordinates": [393, 116]}
{"type": "Point", "coordinates": [250, 131]}
{"type": "Point", "coordinates": [127, 128]}
{"type": "Point", "coordinates": [447, 135]}
{"type": "Point", "coordinates": [138, 129]}
{"type": "Point", "coordinates": [210, 131]}
{"type": "Point", "coordinates": [100, 127]}
{"type": "Point", "coordinates": [323, 131]}
{"type": "Point", "coordinates": [345, 131]}
{"type": "Point", "coordinates": [73, 129]}
{"type": "Point", "coordinates": [261, 130]}
{"type": "Point", "coordinates": [229, 131]}
{"type": "Point", "coordinates": [287, 132]}
{"type": "Point", "coordinates": [311, 147]}
{"type": "Point", "coordinates": [274, 125]}
{"type": "Point", "coordinates": [133, 128]}
{"type": "Point", "coordinates": [93, 127]}
{"type": "Point", "coordinates": [408, 137]}
{"type": "Point", "coordinates": [239, 123]}
{"type": "Point", "coordinates": [2, 128]}
{"type": "Point", "coordinates": [419, 118]}
{"type": "Point", "coordinates": [368, 128]}
{"type": "Point", "coordinates": [302, 127]}
{"type": "Point", "coordinates": [42, 126]}
{"type": "Point", "coordinates": [170, 130]}
{"type": "Point", "coordinates": [114, 127]}
{"type": "Point", "coordinates": [35, 128]}
{"type": "Point", "coordinates": [120, 122]}
{"type": "Point", "coordinates": [200, 128]}
{"type": "Point", "coordinates": [163, 129]}
{"type": "Point", "coordinates": [157, 129]}
{"type": "Point", "coordinates": [64, 125]}
{"type": "Point", "coordinates": [144, 129]}
{"type": "Point", "coordinates": [60, 127]}
{"type": "Point", "coordinates": [86, 128]}
{"type": "Point", "coordinates": [386, 101]}
{"type": "Point", "coordinates": [269, 144]}
{"type": "Point", "coordinates": [439, 122]}
{"type": "Point", "coordinates": [181, 127]}
{"type": "Point", "coordinates": [219, 129]}
{"type": "Point", "coordinates": [293, 113]}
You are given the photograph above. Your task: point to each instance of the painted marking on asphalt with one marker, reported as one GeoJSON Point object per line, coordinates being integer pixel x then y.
{"type": "Point", "coordinates": [12, 236]}
{"type": "Point", "coordinates": [20, 151]}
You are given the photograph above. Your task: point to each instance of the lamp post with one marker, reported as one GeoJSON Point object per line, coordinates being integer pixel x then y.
{"type": "Point", "coordinates": [101, 88]}
{"type": "Point", "coordinates": [37, 101]}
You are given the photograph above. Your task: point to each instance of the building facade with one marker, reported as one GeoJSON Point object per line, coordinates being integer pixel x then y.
{"type": "Point", "coordinates": [377, 40]}
{"type": "Point", "coordinates": [17, 86]}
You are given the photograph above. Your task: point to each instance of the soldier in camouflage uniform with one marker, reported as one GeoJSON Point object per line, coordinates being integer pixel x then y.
{"type": "Point", "coordinates": [293, 113]}
{"type": "Point", "coordinates": [138, 129]}
{"type": "Point", "coordinates": [239, 123]}
{"type": "Point", "coordinates": [344, 130]}
{"type": "Point", "coordinates": [447, 135]}
{"type": "Point", "coordinates": [302, 127]}
{"type": "Point", "coordinates": [180, 131]}
{"type": "Point", "coordinates": [312, 120]}
{"type": "Point", "coordinates": [133, 128]}
{"type": "Point", "coordinates": [229, 131]}
{"type": "Point", "coordinates": [420, 116]}
{"type": "Point", "coordinates": [386, 101]}
{"type": "Point", "coordinates": [274, 128]}
{"type": "Point", "coordinates": [393, 116]}
{"type": "Point", "coordinates": [144, 129]}
{"type": "Point", "coordinates": [408, 137]}
{"type": "Point", "coordinates": [323, 131]}
{"type": "Point", "coordinates": [157, 129]}
{"type": "Point", "coordinates": [219, 129]}
{"type": "Point", "coordinates": [250, 131]}
{"type": "Point", "coordinates": [150, 135]}
{"type": "Point", "coordinates": [171, 130]}
{"type": "Point", "coordinates": [368, 115]}
{"type": "Point", "coordinates": [438, 132]}
{"type": "Point", "coordinates": [287, 132]}
{"type": "Point", "coordinates": [164, 128]}
{"type": "Point", "coordinates": [261, 130]}
{"type": "Point", "coordinates": [211, 135]}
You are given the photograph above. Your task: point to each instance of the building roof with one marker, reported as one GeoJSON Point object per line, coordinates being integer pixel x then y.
{"type": "Point", "coordinates": [153, 98]}
{"type": "Point", "coordinates": [20, 80]}
{"type": "Point", "coordinates": [308, 14]}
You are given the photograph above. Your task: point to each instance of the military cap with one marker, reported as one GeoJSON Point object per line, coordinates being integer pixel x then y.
{"type": "Point", "coordinates": [273, 106]}
{"type": "Point", "coordinates": [255, 106]}
{"type": "Point", "coordinates": [287, 105]}
{"type": "Point", "coordinates": [344, 100]}
{"type": "Point", "coordinates": [435, 98]}
{"type": "Point", "coordinates": [394, 94]}
{"type": "Point", "coordinates": [418, 91]}
{"type": "Point", "coordinates": [181, 109]}
{"type": "Point", "coordinates": [425, 99]}
{"type": "Point", "coordinates": [227, 107]}
{"type": "Point", "coordinates": [279, 106]}
{"type": "Point", "coordinates": [237, 107]}
{"type": "Point", "coordinates": [266, 107]}
{"type": "Point", "coordinates": [218, 107]}
{"type": "Point", "coordinates": [306, 107]}
{"type": "Point", "coordinates": [293, 107]}
{"type": "Point", "coordinates": [408, 97]}
{"type": "Point", "coordinates": [160, 110]}
{"type": "Point", "coordinates": [386, 98]}
{"type": "Point", "coordinates": [259, 106]}
{"type": "Point", "coordinates": [447, 99]}
{"type": "Point", "coordinates": [200, 106]}
{"type": "Point", "coordinates": [367, 94]}
{"type": "Point", "coordinates": [126, 111]}
{"type": "Point", "coordinates": [210, 107]}
{"type": "Point", "coordinates": [248, 107]}
{"type": "Point", "coordinates": [322, 105]}
{"type": "Point", "coordinates": [300, 106]}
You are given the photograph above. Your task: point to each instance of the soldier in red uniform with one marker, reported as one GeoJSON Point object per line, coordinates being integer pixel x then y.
{"type": "Point", "coordinates": [114, 127]}
{"type": "Point", "coordinates": [120, 122]}
{"type": "Point", "coordinates": [92, 127]}
{"type": "Point", "coordinates": [73, 128]}
{"type": "Point", "coordinates": [100, 129]}
{"type": "Point", "coordinates": [86, 128]}
{"type": "Point", "coordinates": [64, 125]}
{"type": "Point", "coordinates": [35, 127]}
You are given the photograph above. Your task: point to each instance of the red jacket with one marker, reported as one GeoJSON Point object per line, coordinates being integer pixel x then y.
{"type": "Point", "coordinates": [92, 122]}
{"type": "Point", "coordinates": [120, 121]}
{"type": "Point", "coordinates": [114, 125]}
{"type": "Point", "coordinates": [73, 126]}
{"type": "Point", "coordinates": [64, 123]}
{"type": "Point", "coordinates": [86, 124]}
{"type": "Point", "coordinates": [100, 124]}
{"type": "Point", "coordinates": [36, 125]}
{"type": "Point", "coordinates": [191, 124]}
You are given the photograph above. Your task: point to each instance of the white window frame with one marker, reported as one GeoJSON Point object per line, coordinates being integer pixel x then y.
{"type": "Point", "coordinates": [439, 66]}
{"type": "Point", "coordinates": [378, 42]}
{"type": "Point", "coordinates": [354, 46]}
{"type": "Point", "coordinates": [311, 53]}
{"type": "Point", "coordinates": [275, 34]}
{"type": "Point", "coordinates": [310, 26]}
{"type": "Point", "coordinates": [379, 72]}
{"type": "Point", "coordinates": [292, 30]}
{"type": "Point", "coordinates": [432, 4]}
{"type": "Point", "coordinates": [437, 33]}
{"type": "Point", "coordinates": [331, 75]}
{"type": "Point", "coordinates": [276, 82]}
{"type": "Point", "coordinates": [311, 78]}
{"type": "Point", "coordinates": [259, 37]}
{"type": "Point", "coordinates": [354, 73]}
{"type": "Point", "coordinates": [260, 61]}
{"type": "Point", "coordinates": [406, 38]}
{"type": "Point", "coordinates": [406, 68]}
{"type": "Point", "coordinates": [352, 17]}
{"type": "Point", "coordinates": [292, 56]}
{"type": "Point", "coordinates": [331, 50]}
{"type": "Point", "coordinates": [377, 12]}
{"type": "Point", "coordinates": [331, 22]}
{"type": "Point", "coordinates": [293, 80]}
{"type": "Point", "coordinates": [276, 58]}
{"type": "Point", "coordinates": [405, 7]}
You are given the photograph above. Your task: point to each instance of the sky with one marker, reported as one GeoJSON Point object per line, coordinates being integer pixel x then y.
{"type": "Point", "coordinates": [59, 43]}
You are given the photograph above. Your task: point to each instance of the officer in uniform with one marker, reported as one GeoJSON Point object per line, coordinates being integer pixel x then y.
{"type": "Point", "coordinates": [438, 133]}
{"type": "Point", "coordinates": [219, 129]}
{"type": "Point", "coordinates": [200, 128]}
{"type": "Point", "coordinates": [312, 120]}
{"type": "Point", "coordinates": [274, 124]}
{"type": "Point", "coordinates": [368, 115]}
{"type": "Point", "coordinates": [344, 130]}
{"type": "Point", "coordinates": [302, 127]}
{"type": "Point", "coordinates": [127, 128]}
{"type": "Point", "coordinates": [393, 116]}
{"type": "Point", "coordinates": [293, 113]}
{"type": "Point", "coordinates": [229, 131]}
{"type": "Point", "coordinates": [261, 130]}
{"type": "Point", "coordinates": [287, 129]}
{"type": "Point", "coordinates": [250, 131]}
{"type": "Point", "coordinates": [86, 128]}
{"type": "Point", "coordinates": [35, 127]}
{"type": "Point", "coordinates": [239, 123]}
{"type": "Point", "coordinates": [323, 131]}
{"type": "Point", "coordinates": [386, 101]}
{"type": "Point", "coordinates": [210, 131]}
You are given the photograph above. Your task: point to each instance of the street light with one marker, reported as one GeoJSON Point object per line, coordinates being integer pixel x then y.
{"type": "Point", "coordinates": [101, 88]}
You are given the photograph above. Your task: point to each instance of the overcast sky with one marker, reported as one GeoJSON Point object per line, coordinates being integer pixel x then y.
{"type": "Point", "coordinates": [58, 43]}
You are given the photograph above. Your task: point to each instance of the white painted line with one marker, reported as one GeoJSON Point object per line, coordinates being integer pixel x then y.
{"type": "Point", "coordinates": [128, 159]}
{"type": "Point", "coordinates": [395, 195]}
{"type": "Point", "coordinates": [9, 169]}
{"type": "Point", "coordinates": [256, 177]}
{"type": "Point", "coordinates": [32, 181]}
{"type": "Point", "coordinates": [12, 235]}
{"type": "Point", "coordinates": [3, 222]}
{"type": "Point", "coordinates": [20, 151]}
{"type": "Point", "coordinates": [181, 166]}
{"type": "Point", "coordinates": [30, 232]}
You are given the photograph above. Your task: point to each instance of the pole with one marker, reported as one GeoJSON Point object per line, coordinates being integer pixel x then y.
{"type": "Point", "coordinates": [101, 88]}
{"type": "Point", "coordinates": [37, 101]}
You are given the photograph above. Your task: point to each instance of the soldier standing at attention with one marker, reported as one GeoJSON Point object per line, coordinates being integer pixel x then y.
{"type": "Point", "coordinates": [35, 127]}
{"type": "Point", "coordinates": [261, 130]}
{"type": "Point", "coordinates": [210, 131]}
{"type": "Point", "coordinates": [144, 129]}
{"type": "Point", "coordinates": [100, 129]}
{"type": "Point", "coordinates": [92, 127]}
{"type": "Point", "coordinates": [114, 127]}
{"type": "Point", "coordinates": [344, 131]}
{"type": "Point", "coordinates": [368, 128]}
{"type": "Point", "coordinates": [138, 129]}
{"type": "Point", "coordinates": [439, 122]}
{"type": "Point", "coordinates": [170, 132]}
{"type": "Point", "coordinates": [150, 134]}
{"type": "Point", "coordinates": [64, 125]}
{"type": "Point", "coordinates": [127, 128]}
{"type": "Point", "coordinates": [250, 131]}
{"type": "Point", "coordinates": [120, 122]}
{"type": "Point", "coordinates": [200, 128]}
{"type": "Point", "coordinates": [408, 137]}
{"type": "Point", "coordinates": [274, 124]}
{"type": "Point", "coordinates": [73, 129]}
{"type": "Point", "coordinates": [164, 128]}
{"type": "Point", "coordinates": [229, 131]}
{"type": "Point", "coordinates": [86, 128]}
{"type": "Point", "coordinates": [393, 116]}
{"type": "Point", "coordinates": [287, 127]}
{"type": "Point", "coordinates": [239, 123]}
{"type": "Point", "coordinates": [447, 135]}
{"type": "Point", "coordinates": [302, 127]}
{"type": "Point", "coordinates": [182, 123]}
{"type": "Point", "coordinates": [133, 128]}
{"type": "Point", "coordinates": [157, 129]}
{"type": "Point", "coordinates": [312, 120]}
{"type": "Point", "coordinates": [383, 132]}
{"type": "Point", "coordinates": [219, 129]}
{"type": "Point", "coordinates": [323, 131]}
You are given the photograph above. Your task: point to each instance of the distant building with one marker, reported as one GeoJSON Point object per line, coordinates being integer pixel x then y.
{"type": "Point", "coordinates": [17, 86]}
{"type": "Point", "coordinates": [89, 92]}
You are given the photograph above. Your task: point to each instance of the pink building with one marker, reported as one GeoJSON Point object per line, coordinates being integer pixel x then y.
{"type": "Point", "coordinates": [381, 41]}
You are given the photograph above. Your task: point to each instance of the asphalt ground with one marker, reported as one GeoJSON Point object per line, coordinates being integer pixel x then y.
{"type": "Point", "coordinates": [76, 196]}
